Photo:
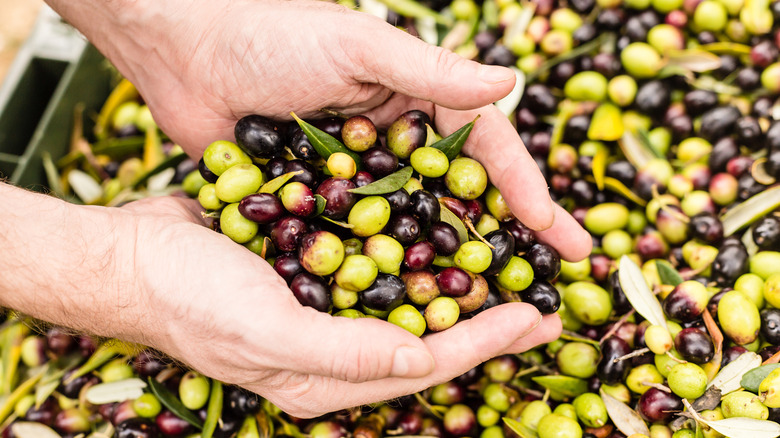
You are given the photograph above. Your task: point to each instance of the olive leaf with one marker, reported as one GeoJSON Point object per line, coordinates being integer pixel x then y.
{"type": "Point", "coordinates": [644, 137]}
{"type": "Point", "coordinates": [606, 123]}
{"type": "Point", "coordinates": [750, 211]}
{"type": "Point", "coordinates": [565, 385]}
{"type": "Point", "coordinates": [509, 102]}
{"type": "Point", "coordinates": [614, 185]}
{"type": "Point", "coordinates": [709, 400]}
{"type": "Point", "coordinates": [668, 274]}
{"type": "Point", "coordinates": [743, 427]}
{"type": "Point", "coordinates": [125, 91]}
{"type": "Point", "coordinates": [320, 205]}
{"type": "Point", "coordinates": [636, 153]}
{"type": "Point", "coordinates": [567, 110]}
{"type": "Point", "coordinates": [388, 184]}
{"type": "Point", "coordinates": [453, 143]}
{"type": "Point", "coordinates": [625, 419]}
{"type": "Point", "coordinates": [639, 295]}
{"type": "Point", "coordinates": [324, 143]}
{"type": "Point", "coordinates": [12, 338]}
{"type": "Point", "coordinates": [277, 183]}
{"type": "Point", "coordinates": [32, 429]}
{"type": "Point", "coordinates": [339, 223]}
{"type": "Point", "coordinates": [752, 379]}
{"type": "Point", "coordinates": [518, 428]}
{"type": "Point", "coordinates": [53, 178]}
{"type": "Point", "coordinates": [85, 187]}
{"type": "Point", "coordinates": [447, 216]}
{"type": "Point", "coordinates": [173, 403]}
{"type": "Point", "coordinates": [729, 378]}
{"type": "Point", "coordinates": [750, 244]}
{"type": "Point", "coordinates": [695, 60]}
{"type": "Point", "coordinates": [726, 48]}
{"type": "Point", "coordinates": [599, 167]}
{"type": "Point", "coordinates": [8, 403]}
{"type": "Point", "coordinates": [214, 409]}
{"type": "Point", "coordinates": [105, 352]}
{"type": "Point", "coordinates": [114, 392]}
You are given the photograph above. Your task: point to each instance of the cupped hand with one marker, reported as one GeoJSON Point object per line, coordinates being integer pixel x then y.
{"type": "Point", "coordinates": [222, 309]}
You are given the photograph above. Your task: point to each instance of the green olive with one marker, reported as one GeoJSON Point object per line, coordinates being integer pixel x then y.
{"type": "Point", "coordinates": [577, 359]}
{"type": "Point", "coordinates": [441, 313]}
{"type": "Point", "coordinates": [192, 183]}
{"type": "Point", "coordinates": [638, 378]}
{"type": "Point", "coordinates": [222, 155]}
{"type": "Point", "coordinates": [743, 404]}
{"type": "Point", "coordinates": [194, 390]}
{"type": "Point", "coordinates": [116, 370]}
{"type": "Point", "coordinates": [239, 181]}
{"type": "Point", "coordinates": [487, 223]}
{"type": "Point", "coordinates": [474, 256]}
{"type": "Point", "coordinates": [429, 162]}
{"type": "Point", "coordinates": [369, 215]}
{"type": "Point", "coordinates": [619, 391]}
{"type": "Point", "coordinates": [687, 380]}
{"type": "Point", "coordinates": [739, 317]}
{"type": "Point", "coordinates": [497, 205]}
{"type": "Point", "coordinates": [357, 272]}
{"type": "Point", "coordinates": [558, 426]}
{"type": "Point", "coordinates": [772, 289]}
{"type": "Point", "coordinates": [753, 287]}
{"type": "Point", "coordinates": [343, 298]}
{"type": "Point", "coordinates": [603, 218]}
{"type": "Point", "coordinates": [641, 60]}
{"type": "Point", "coordinates": [658, 339]}
{"type": "Point", "coordinates": [495, 397]}
{"type": "Point", "coordinates": [622, 90]}
{"type": "Point", "coordinates": [387, 253]}
{"type": "Point", "coordinates": [567, 410]}
{"type": "Point", "coordinates": [769, 389]}
{"type": "Point", "coordinates": [617, 243]}
{"type": "Point", "coordinates": [466, 178]}
{"type": "Point", "coordinates": [694, 149]}
{"type": "Point", "coordinates": [408, 318]}
{"type": "Point", "coordinates": [710, 15]}
{"type": "Point", "coordinates": [591, 410]}
{"type": "Point", "coordinates": [321, 253]}
{"type": "Point", "coordinates": [487, 416]}
{"type": "Point", "coordinates": [208, 199]}
{"type": "Point", "coordinates": [236, 226]}
{"type": "Point", "coordinates": [350, 313]}
{"type": "Point", "coordinates": [516, 275]}
{"type": "Point", "coordinates": [588, 302]}
{"type": "Point", "coordinates": [533, 413]}
{"type": "Point", "coordinates": [575, 271]}
{"type": "Point", "coordinates": [664, 363]}
{"type": "Point", "coordinates": [341, 165]}
{"type": "Point", "coordinates": [124, 115]}
{"type": "Point", "coordinates": [586, 85]}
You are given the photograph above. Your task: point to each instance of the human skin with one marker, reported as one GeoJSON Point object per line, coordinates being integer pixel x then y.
{"type": "Point", "coordinates": [201, 66]}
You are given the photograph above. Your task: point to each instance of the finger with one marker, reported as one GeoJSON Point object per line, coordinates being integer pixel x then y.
{"type": "Point", "coordinates": [547, 331]}
{"type": "Point", "coordinates": [456, 350]}
{"type": "Point", "coordinates": [352, 350]}
{"type": "Point", "coordinates": [495, 143]}
{"type": "Point", "coordinates": [566, 235]}
{"type": "Point", "coordinates": [408, 65]}
{"type": "Point", "coordinates": [385, 114]}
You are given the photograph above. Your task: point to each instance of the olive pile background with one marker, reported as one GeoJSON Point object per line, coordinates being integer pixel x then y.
{"type": "Point", "coordinates": [654, 124]}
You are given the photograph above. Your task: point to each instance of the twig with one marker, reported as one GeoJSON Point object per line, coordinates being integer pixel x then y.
{"type": "Point", "coordinates": [526, 371]}
{"type": "Point", "coordinates": [634, 353]}
{"type": "Point", "coordinates": [617, 325]}
{"type": "Point", "coordinates": [658, 386]}
{"type": "Point", "coordinates": [473, 230]}
{"type": "Point", "coordinates": [675, 359]}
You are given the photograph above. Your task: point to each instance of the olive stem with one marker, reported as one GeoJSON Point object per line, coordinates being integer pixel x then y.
{"type": "Point", "coordinates": [665, 207]}
{"type": "Point", "coordinates": [473, 230]}
{"type": "Point", "coordinates": [532, 392]}
{"type": "Point", "coordinates": [427, 405]}
{"type": "Point", "coordinates": [166, 374]}
{"type": "Point", "coordinates": [694, 272]}
{"type": "Point", "coordinates": [634, 353]}
{"type": "Point", "coordinates": [675, 359]}
{"type": "Point", "coordinates": [617, 325]}
{"type": "Point", "coordinates": [658, 386]}
{"type": "Point", "coordinates": [212, 214]}
{"type": "Point", "coordinates": [546, 395]}
{"type": "Point", "coordinates": [334, 113]}
{"type": "Point", "coordinates": [526, 371]}
{"type": "Point", "coordinates": [692, 411]}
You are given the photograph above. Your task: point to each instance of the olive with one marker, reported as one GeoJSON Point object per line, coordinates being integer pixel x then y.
{"type": "Point", "coordinates": [408, 318]}
{"type": "Point", "coordinates": [504, 247]}
{"type": "Point", "coordinates": [424, 207]}
{"type": "Point", "coordinates": [586, 32]}
{"type": "Point", "coordinates": [444, 238]}
{"type": "Point", "coordinates": [407, 133]}
{"type": "Point", "coordinates": [770, 325]}
{"type": "Point", "coordinates": [148, 364]}
{"type": "Point", "coordinates": [543, 296]}
{"type": "Point", "coordinates": [466, 178]}
{"type": "Point", "coordinates": [524, 237]}
{"type": "Point", "coordinates": [499, 55]}
{"type": "Point", "coordinates": [287, 232]}
{"type": "Point", "coordinates": [697, 102]}
{"type": "Point", "coordinates": [362, 178]}
{"type": "Point", "coordinates": [687, 380]}
{"type": "Point", "coordinates": [421, 286]}
{"type": "Point", "coordinates": [240, 401]}
{"type": "Point", "coordinates": [33, 351]}
{"type": "Point", "coordinates": [652, 98]}
{"type": "Point", "coordinates": [577, 359]}
{"type": "Point", "coordinates": [309, 175]}
{"type": "Point", "coordinates": [341, 165]}
{"type": "Point", "coordinates": [694, 345]}
{"type": "Point", "coordinates": [454, 282]}
{"type": "Point", "coordinates": [730, 263]}
{"type": "Point", "coordinates": [339, 199]}
{"type": "Point", "coordinates": [356, 273]}
{"type": "Point", "coordinates": [610, 19]}
{"type": "Point", "coordinates": [207, 174]}
{"type": "Point", "coordinates": [71, 387]}
{"type": "Point", "coordinates": [719, 121]}
{"type": "Point", "coordinates": [441, 313]}
{"type": "Point", "coordinates": [686, 302]}
{"type": "Point", "coordinates": [137, 428]}
{"type": "Point", "coordinates": [419, 256]}
{"type": "Point", "coordinates": [359, 133]}
{"type": "Point", "coordinates": [320, 252]}
{"type": "Point", "coordinates": [259, 137]}
{"type": "Point", "coordinates": [399, 200]}
{"type": "Point", "coordinates": [723, 150]}
{"type": "Point", "coordinates": [301, 147]}
{"type": "Point", "coordinates": [619, 299]}
{"type": "Point", "coordinates": [609, 371]}
{"type": "Point", "coordinates": [171, 425]}
{"type": "Point", "coordinates": [385, 294]}
{"type": "Point", "coordinates": [386, 252]}
{"type": "Point", "coordinates": [739, 317]}
{"type": "Point", "coordinates": [544, 260]}
{"type": "Point", "coordinates": [658, 406]}
{"type": "Point", "coordinates": [311, 290]}
{"type": "Point", "coordinates": [540, 99]}
{"type": "Point", "coordinates": [369, 216]}
{"type": "Point", "coordinates": [588, 302]}
{"type": "Point", "coordinates": [743, 404]}
{"type": "Point", "coordinates": [766, 232]}
{"type": "Point", "coordinates": [297, 198]}
{"type": "Point", "coordinates": [404, 228]}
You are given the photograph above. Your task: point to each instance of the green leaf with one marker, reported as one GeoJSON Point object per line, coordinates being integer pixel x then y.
{"type": "Point", "coordinates": [447, 216]}
{"type": "Point", "coordinates": [566, 385]}
{"type": "Point", "coordinates": [644, 137]}
{"type": "Point", "coordinates": [743, 427]}
{"type": "Point", "coordinates": [753, 378]}
{"type": "Point", "coordinates": [105, 352]}
{"type": "Point", "coordinates": [614, 185]}
{"type": "Point", "coordinates": [388, 184]}
{"type": "Point", "coordinates": [750, 211]}
{"type": "Point", "coordinates": [324, 143]}
{"type": "Point", "coordinates": [321, 202]}
{"type": "Point", "coordinates": [518, 428]}
{"type": "Point", "coordinates": [453, 143]}
{"type": "Point", "coordinates": [214, 410]}
{"type": "Point", "coordinates": [600, 167]}
{"type": "Point", "coordinates": [638, 293]}
{"type": "Point", "coordinates": [167, 163]}
{"type": "Point", "coordinates": [727, 48]}
{"type": "Point", "coordinates": [668, 274]}
{"type": "Point", "coordinates": [12, 338]}
{"type": "Point", "coordinates": [339, 223]}
{"type": "Point", "coordinates": [636, 153]}
{"type": "Point", "coordinates": [173, 404]}
{"type": "Point", "coordinates": [7, 405]}
{"type": "Point", "coordinates": [277, 183]}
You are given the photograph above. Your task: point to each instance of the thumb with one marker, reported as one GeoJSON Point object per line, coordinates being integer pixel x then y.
{"type": "Point", "coordinates": [353, 350]}
{"type": "Point", "coordinates": [408, 65]}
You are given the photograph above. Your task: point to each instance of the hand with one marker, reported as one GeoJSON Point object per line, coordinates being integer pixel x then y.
{"type": "Point", "coordinates": [227, 313]}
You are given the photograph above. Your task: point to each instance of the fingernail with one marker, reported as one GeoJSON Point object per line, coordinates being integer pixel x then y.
{"type": "Point", "coordinates": [491, 74]}
{"type": "Point", "coordinates": [538, 322]}
{"type": "Point", "coordinates": [411, 362]}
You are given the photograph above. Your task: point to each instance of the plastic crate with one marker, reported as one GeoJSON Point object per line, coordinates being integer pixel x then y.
{"type": "Point", "coordinates": [54, 71]}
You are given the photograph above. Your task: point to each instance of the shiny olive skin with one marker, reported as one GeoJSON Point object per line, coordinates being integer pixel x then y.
{"type": "Point", "coordinates": [454, 282]}
{"type": "Point", "coordinates": [694, 345]}
{"type": "Point", "coordinates": [262, 208]}
{"type": "Point", "coordinates": [424, 207]}
{"type": "Point", "coordinates": [137, 428]}
{"type": "Point", "coordinates": [301, 147]}
{"type": "Point", "coordinates": [404, 228]}
{"type": "Point", "coordinates": [609, 371]}
{"type": "Point", "coordinates": [543, 296]}
{"type": "Point", "coordinates": [259, 137]}
{"type": "Point", "coordinates": [399, 200]}
{"type": "Point", "coordinates": [287, 232]}
{"type": "Point", "coordinates": [444, 238]}
{"type": "Point", "coordinates": [379, 161]}
{"type": "Point", "coordinates": [287, 266]}
{"type": "Point", "coordinates": [770, 325]}
{"type": "Point", "coordinates": [385, 294]}
{"type": "Point", "coordinates": [504, 245]}
{"type": "Point", "coordinates": [339, 200]}
{"type": "Point", "coordinates": [658, 406]}
{"type": "Point", "coordinates": [206, 173]}
{"type": "Point", "coordinates": [766, 232]}
{"type": "Point", "coordinates": [731, 262]}
{"type": "Point", "coordinates": [309, 175]}
{"type": "Point", "coordinates": [544, 260]}
{"type": "Point", "coordinates": [311, 290]}
{"type": "Point", "coordinates": [240, 401]}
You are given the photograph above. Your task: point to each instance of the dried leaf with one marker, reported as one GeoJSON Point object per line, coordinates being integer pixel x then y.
{"type": "Point", "coordinates": [752, 379]}
{"type": "Point", "coordinates": [750, 244]}
{"type": "Point", "coordinates": [636, 153]}
{"type": "Point", "coordinates": [713, 365]}
{"type": "Point", "coordinates": [518, 428]}
{"type": "Point", "coordinates": [509, 103]}
{"type": "Point", "coordinates": [625, 419]}
{"type": "Point", "coordinates": [565, 385]}
{"type": "Point", "coordinates": [750, 211]}
{"type": "Point", "coordinates": [599, 167]}
{"type": "Point", "coordinates": [709, 400]}
{"type": "Point", "coordinates": [639, 295]}
{"type": "Point", "coordinates": [729, 378]}
{"type": "Point", "coordinates": [742, 427]}
{"type": "Point", "coordinates": [668, 274]}
{"type": "Point", "coordinates": [693, 59]}
{"type": "Point", "coordinates": [388, 184]}
{"type": "Point", "coordinates": [30, 429]}
{"type": "Point", "coordinates": [775, 358]}
{"type": "Point", "coordinates": [85, 187]}
{"type": "Point", "coordinates": [114, 392]}
{"type": "Point", "coordinates": [449, 217]}
{"type": "Point", "coordinates": [277, 183]}
{"type": "Point", "coordinates": [173, 403]}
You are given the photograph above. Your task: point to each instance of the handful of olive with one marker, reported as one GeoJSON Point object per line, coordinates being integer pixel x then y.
{"type": "Point", "coordinates": [394, 225]}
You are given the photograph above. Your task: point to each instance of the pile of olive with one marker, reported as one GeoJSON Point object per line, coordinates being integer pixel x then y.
{"type": "Point", "coordinates": [376, 226]}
